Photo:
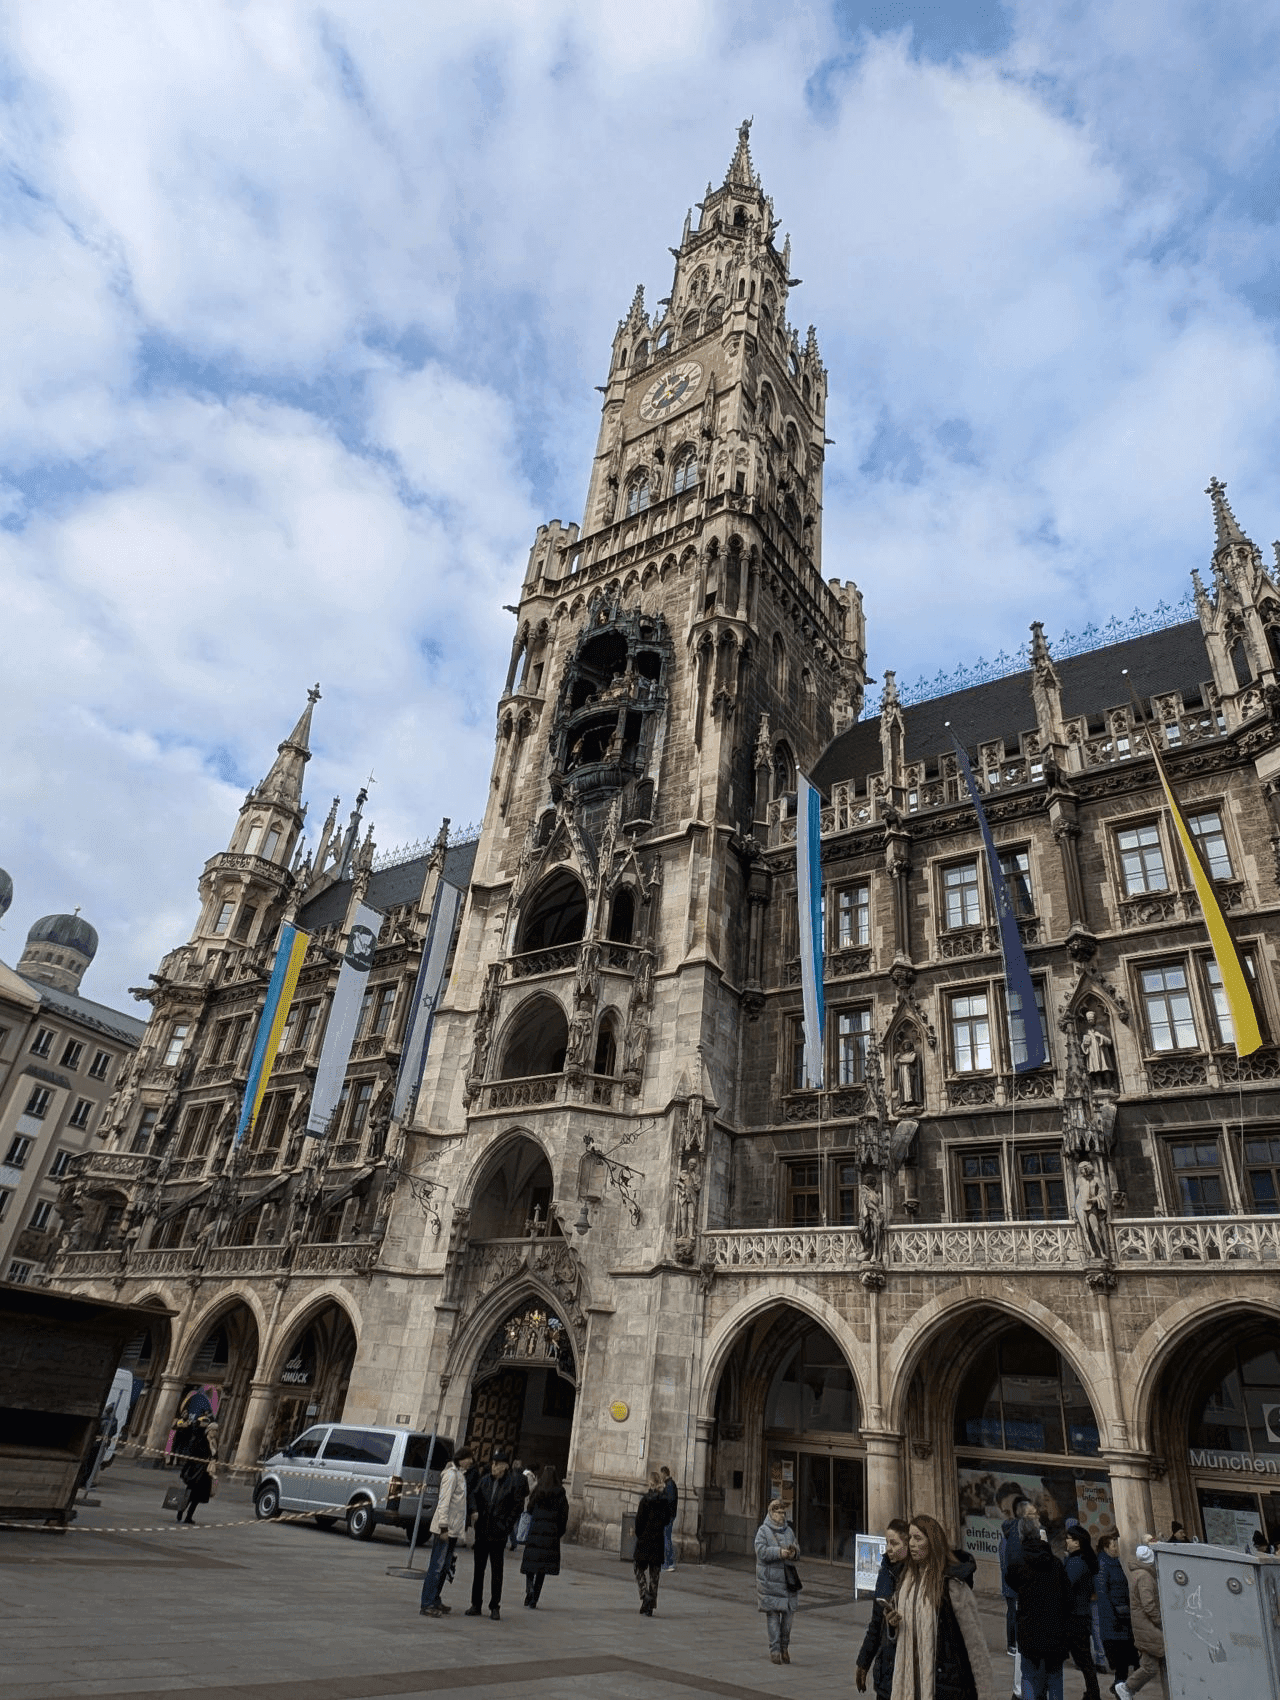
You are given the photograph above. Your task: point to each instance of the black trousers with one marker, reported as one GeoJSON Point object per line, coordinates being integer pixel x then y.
{"type": "Point", "coordinates": [533, 1585]}
{"type": "Point", "coordinates": [492, 1550]}
{"type": "Point", "coordinates": [1122, 1656]}
{"type": "Point", "coordinates": [1081, 1645]}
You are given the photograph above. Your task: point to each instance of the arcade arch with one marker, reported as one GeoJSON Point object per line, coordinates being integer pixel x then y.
{"type": "Point", "coordinates": [555, 914]}
{"type": "Point", "coordinates": [218, 1368]}
{"type": "Point", "coordinates": [511, 1197]}
{"type": "Point", "coordinates": [536, 1040]}
{"type": "Point", "coordinates": [310, 1373]}
{"type": "Point", "coordinates": [524, 1386]}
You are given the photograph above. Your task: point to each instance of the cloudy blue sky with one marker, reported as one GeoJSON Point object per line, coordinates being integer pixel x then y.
{"type": "Point", "coordinates": [304, 305]}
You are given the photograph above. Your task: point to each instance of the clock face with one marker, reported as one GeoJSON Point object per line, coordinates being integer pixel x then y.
{"type": "Point", "coordinates": [678, 384]}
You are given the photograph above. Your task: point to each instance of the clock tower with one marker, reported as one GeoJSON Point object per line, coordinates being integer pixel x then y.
{"type": "Point", "coordinates": [675, 658]}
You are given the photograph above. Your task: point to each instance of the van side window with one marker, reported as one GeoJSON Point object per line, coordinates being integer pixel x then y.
{"type": "Point", "coordinates": [359, 1446]}
{"type": "Point", "coordinates": [308, 1444]}
{"type": "Point", "coordinates": [415, 1450]}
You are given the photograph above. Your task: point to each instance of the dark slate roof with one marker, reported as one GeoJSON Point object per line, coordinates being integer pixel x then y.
{"type": "Point", "coordinates": [96, 1016]}
{"type": "Point", "coordinates": [390, 887]}
{"type": "Point", "coordinates": [1171, 660]}
{"type": "Point", "coordinates": [72, 932]}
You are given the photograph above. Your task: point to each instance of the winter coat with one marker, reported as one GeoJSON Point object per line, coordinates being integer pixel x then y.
{"type": "Point", "coordinates": [1080, 1577]}
{"type": "Point", "coordinates": [1144, 1604]}
{"type": "Point", "coordinates": [651, 1520]}
{"type": "Point", "coordinates": [1112, 1587]}
{"type": "Point", "coordinates": [772, 1593]}
{"type": "Point", "coordinates": [497, 1504]}
{"type": "Point", "coordinates": [450, 1518]}
{"type": "Point", "coordinates": [1044, 1604]}
{"type": "Point", "coordinates": [1009, 1551]}
{"type": "Point", "coordinates": [942, 1655]}
{"type": "Point", "coordinates": [548, 1520]}
{"type": "Point", "coordinates": [878, 1645]}
{"type": "Point", "coordinates": [196, 1469]}
{"type": "Point", "coordinates": [672, 1493]}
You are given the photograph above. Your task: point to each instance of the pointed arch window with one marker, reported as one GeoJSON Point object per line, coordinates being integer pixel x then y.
{"type": "Point", "coordinates": [638, 494]}
{"type": "Point", "coordinates": [685, 476]}
{"type": "Point", "coordinates": [715, 312]}
{"type": "Point", "coordinates": [689, 329]}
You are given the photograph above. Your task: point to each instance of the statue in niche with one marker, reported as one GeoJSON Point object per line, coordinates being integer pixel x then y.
{"type": "Point", "coordinates": [907, 1073]}
{"type": "Point", "coordinates": [688, 1192]}
{"type": "Point", "coordinates": [1092, 1211]}
{"type": "Point", "coordinates": [1099, 1054]}
{"type": "Point", "coordinates": [871, 1223]}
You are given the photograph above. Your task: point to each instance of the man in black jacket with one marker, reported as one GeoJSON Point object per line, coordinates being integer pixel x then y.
{"type": "Point", "coordinates": [1044, 1612]}
{"type": "Point", "coordinates": [498, 1501]}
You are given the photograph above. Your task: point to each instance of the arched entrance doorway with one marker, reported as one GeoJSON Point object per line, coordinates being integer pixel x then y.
{"type": "Point", "coordinates": [312, 1378]}
{"type": "Point", "coordinates": [1009, 1418]}
{"type": "Point", "coordinates": [513, 1200]}
{"type": "Point", "coordinates": [1216, 1421]}
{"type": "Point", "coordinates": [218, 1373]}
{"type": "Point", "coordinates": [787, 1427]}
{"type": "Point", "coordinates": [524, 1388]}
{"type": "Point", "coordinates": [146, 1357]}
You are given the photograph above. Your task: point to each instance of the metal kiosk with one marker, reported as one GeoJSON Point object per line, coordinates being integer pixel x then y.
{"type": "Point", "coordinates": [1221, 1612]}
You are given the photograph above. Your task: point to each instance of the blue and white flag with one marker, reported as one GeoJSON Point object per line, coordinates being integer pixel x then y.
{"type": "Point", "coordinates": [809, 902]}
{"type": "Point", "coordinates": [1020, 993]}
{"type": "Point", "coordinates": [426, 995]}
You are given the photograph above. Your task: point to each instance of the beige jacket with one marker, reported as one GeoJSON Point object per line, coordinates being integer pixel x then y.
{"type": "Point", "coordinates": [451, 1508]}
{"type": "Point", "coordinates": [1144, 1604]}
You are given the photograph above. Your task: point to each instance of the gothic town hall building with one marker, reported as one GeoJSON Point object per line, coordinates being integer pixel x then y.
{"type": "Point", "coordinates": [617, 1229]}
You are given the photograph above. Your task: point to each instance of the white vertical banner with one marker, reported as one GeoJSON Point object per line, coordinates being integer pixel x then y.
{"type": "Point", "coordinates": [426, 995]}
{"type": "Point", "coordinates": [339, 1035]}
{"type": "Point", "coordinates": [809, 908]}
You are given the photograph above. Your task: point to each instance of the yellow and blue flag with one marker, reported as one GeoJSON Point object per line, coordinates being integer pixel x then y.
{"type": "Point", "coordinates": [284, 978]}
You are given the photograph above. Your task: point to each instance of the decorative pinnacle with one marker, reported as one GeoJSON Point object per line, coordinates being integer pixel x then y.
{"type": "Point", "coordinates": [741, 173]}
{"type": "Point", "coordinates": [1226, 530]}
{"type": "Point", "coordinates": [637, 316]}
{"type": "Point", "coordinates": [889, 696]}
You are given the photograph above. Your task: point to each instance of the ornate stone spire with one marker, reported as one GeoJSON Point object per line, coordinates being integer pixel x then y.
{"type": "Point", "coordinates": [741, 173]}
{"type": "Point", "coordinates": [284, 782]}
{"type": "Point", "coordinates": [1226, 531]}
{"type": "Point", "coordinates": [637, 318]}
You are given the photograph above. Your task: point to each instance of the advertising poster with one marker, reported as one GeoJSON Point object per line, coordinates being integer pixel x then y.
{"type": "Point", "coordinates": [988, 1494]}
{"type": "Point", "coordinates": [867, 1553]}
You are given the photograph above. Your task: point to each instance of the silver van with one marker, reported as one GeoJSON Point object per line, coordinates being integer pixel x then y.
{"type": "Point", "coordinates": [365, 1476]}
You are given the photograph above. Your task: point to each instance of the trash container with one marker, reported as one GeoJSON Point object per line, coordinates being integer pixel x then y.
{"type": "Point", "coordinates": [628, 1542]}
{"type": "Point", "coordinates": [1221, 1616]}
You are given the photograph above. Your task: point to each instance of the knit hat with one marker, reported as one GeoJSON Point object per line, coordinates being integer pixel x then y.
{"type": "Point", "coordinates": [1144, 1555]}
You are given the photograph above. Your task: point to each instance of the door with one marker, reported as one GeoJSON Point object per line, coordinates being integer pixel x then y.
{"type": "Point", "coordinates": [299, 1489]}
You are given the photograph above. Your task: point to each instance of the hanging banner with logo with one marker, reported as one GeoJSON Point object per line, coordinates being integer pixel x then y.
{"type": "Point", "coordinates": [344, 1017]}
{"type": "Point", "coordinates": [426, 995]}
{"type": "Point", "coordinates": [809, 901]}
{"type": "Point", "coordinates": [284, 977]}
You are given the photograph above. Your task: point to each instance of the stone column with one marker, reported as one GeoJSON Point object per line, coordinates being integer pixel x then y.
{"type": "Point", "coordinates": [704, 1440]}
{"type": "Point", "coordinates": [1131, 1495]}
{"type": "Point", "coordinates": [261, 1398]}
{"type": "Point", "coordinates": [166, 1408]}
{"type": "Point", "coordinates": [884, 1478]}
{"type": "Point", "coordinates": [1066, 830]}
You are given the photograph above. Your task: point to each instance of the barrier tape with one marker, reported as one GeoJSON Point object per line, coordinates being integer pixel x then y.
{"type": "Point", "coordinates": [51, 1525]}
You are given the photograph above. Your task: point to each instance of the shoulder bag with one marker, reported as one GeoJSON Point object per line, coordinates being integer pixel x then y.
{"type": "Point", "coordinates": [792, 1575]}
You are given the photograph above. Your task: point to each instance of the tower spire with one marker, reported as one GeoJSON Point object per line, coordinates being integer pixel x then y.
{"type": "Point", "coordinates": [741, 173]}
{"type": "Point", "coordinates": [1225, 529]}
{"type": "Point", "coordinates": [284, 782]}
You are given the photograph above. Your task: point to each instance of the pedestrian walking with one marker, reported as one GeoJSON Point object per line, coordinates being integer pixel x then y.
{"type": "Point", "coordinates": [518, 1470]}
{"type": "Point", "coordinates": [1008, 1551]}
{"type": "Point", "coordinates": [448, 1524]}
{"type": "Point", "coordinates": [878, 1645]}
{"type": "Point", "coordinates": [1148, 1628]}
{"type": "Point", "coordinates": [548, 1509]}
{"type": "Point", "coordinates": [672, 1493]}
{"type": "Point", "coordinates": [942, 1651]}
{"type": "Point", "coordinates": [651, 1521]}
{"type": "Point", "coordinates": [498, 1499]}
{"type": "Point", "coordinates": [777, 1579]}
{"type": "Point", "coordinates": [1111, 1586]}
{"type": "Point", "coordinates": [1082, 1567]}
{"type": "Point", "coordinates": [199, 1467]}
{"type": "Point", "coordinates": [1044, 1613]}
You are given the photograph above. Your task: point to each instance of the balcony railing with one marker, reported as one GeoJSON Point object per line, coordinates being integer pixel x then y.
{"type": "Point", "coordinates": [342, 1256]}
{"type": "Point", "coordinates": [1199, 1239]}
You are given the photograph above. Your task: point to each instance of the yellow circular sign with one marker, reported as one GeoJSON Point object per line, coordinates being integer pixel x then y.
{"type": "Point", "coordinates": [619, 1411]}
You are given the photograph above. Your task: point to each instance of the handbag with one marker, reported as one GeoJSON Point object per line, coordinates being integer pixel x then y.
{"type": "Point", "coordinates": [175, 1498]}
{"type": "Point", "coordinates": [213, 1485]}
{"type": "Point", "coordinates": [523, 1524]}
{"type": "Point", "coordinates": [792, 1578]}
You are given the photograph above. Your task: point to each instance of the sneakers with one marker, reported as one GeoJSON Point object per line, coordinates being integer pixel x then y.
{"type": "Point", "coordinates": [429, 1611]}
{"type": "Point", "coordinates": [472, 1611]}
{"type": "Point", "coordinates": [1122, 1691]}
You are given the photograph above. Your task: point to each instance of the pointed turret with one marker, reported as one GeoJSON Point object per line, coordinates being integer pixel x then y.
{"type": "Point", "coordinates": [741, 173]}
{"type": "Point", "coordinates": [1238, 621]}
{"type": "Point", "coordinates": [284, 782]}
{"type": "Point", "coordinates": [1226, 530]}
{"type": "Point", "coordinates": [1046, 691]}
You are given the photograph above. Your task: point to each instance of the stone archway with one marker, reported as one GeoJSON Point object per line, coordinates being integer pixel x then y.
{"type": "Point", "coordinates": [524, 1387]}
{"type": "Point", "coordinates": [147, 1358]}
{"type": "Point", "coordinates": [218, 1369]}
{"type": "Point", "coordinates": [310, 1374]}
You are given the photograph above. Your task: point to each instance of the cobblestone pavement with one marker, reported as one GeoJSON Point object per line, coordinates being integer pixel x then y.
{"type": "Point", "coordinates": [266, 1611]}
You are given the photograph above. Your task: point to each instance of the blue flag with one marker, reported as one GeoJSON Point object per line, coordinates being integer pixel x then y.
{"type": "Point", "coordinates": [1019, 990]}
{"type": "Point", "coordinates": [809, 900]}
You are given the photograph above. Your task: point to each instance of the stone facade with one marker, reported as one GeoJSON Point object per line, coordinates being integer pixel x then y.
{"type": "Point", "coordinates": [618, 1229]}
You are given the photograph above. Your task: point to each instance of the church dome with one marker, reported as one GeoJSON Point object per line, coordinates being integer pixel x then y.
{"type": "Point", "coordinates": [69, 932]}
{"type": "Point", "coordinates": [6, 891]}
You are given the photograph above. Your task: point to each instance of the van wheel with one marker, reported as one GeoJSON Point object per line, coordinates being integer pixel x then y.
{"type": "Point", "coordinates": [325, 1522]}
{"type": "Point", "coordinates": [266, 1502]}
{"type": "Point", "coordinates": [360, 1522]}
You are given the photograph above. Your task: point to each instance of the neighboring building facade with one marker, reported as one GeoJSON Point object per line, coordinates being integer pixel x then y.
{"type": "Point", "coordinates": [61, 1056]}
{"type": "Point", "coordinates": [617, 1229]}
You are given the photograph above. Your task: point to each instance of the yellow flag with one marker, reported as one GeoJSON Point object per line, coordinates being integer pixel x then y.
{"type": "Point", "coordinates": [1244, 1018]}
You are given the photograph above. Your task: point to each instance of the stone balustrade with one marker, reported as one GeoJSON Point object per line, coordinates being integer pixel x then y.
{"type": "Point", "coordinates": [1198, 1239]}
{"type": "Point", "coordinates": [343, 1257]}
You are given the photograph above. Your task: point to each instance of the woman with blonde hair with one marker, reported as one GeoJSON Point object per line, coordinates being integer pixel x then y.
{"type": "Point", "coordinates": [942, 1653]}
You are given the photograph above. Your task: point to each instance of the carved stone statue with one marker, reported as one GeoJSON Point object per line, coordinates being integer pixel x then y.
{"type": "Point", "coordinates": [906, 1070]}
{"type": "Point", "coordinates": [871, 1224]}
{"type": "Point", "coordinates": [1092, 1211]}
{"type": "Point", "coordinates": [1099, 1057]}
{"type": "Point", "coordinates": [587, 983]}
{"type": "Point", "coordinates": [688, 1192]}
{"type": "Point", "coordinates": [580, 1029]}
